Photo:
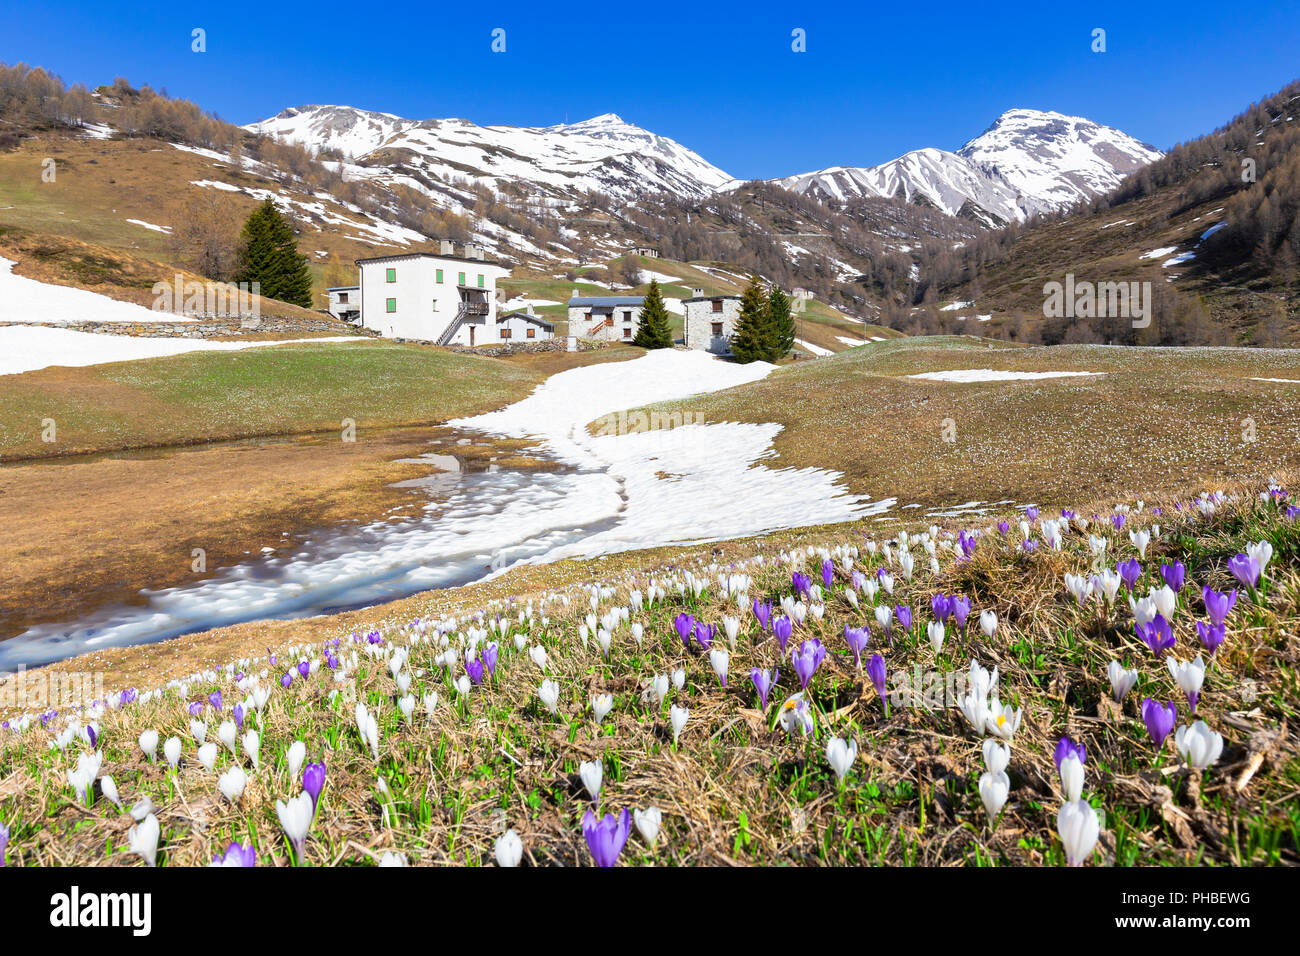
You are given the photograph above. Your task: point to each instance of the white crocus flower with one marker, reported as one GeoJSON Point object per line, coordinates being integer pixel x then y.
{"type": "Point", "coordinates": [143, 839]}
{"type": "Point", "coordinates": [975, 709]}
{"type": "Point", "coordinates": [252, 746]}
{"type": "Point", "coordinates": [936, 632]}
{"type": "Point", "coordinates": [592, 773]}
{"type": "Point", "coordinates": [228, 734]}
{"type": "Point", "coordinates": [1188, 675]}
{"type": "Point", "coordinates": [232, 783]}
{"type": "Point", "coordinates": [719, 658]}
{"type": "Point", "coordinates": [199, 731]}
{"type": "Point", "coordinates": [988, 623]}
{"type": "Point", "coordinates": [1199, 745]}
{"type": "Point", "coordinates": [1078, 827]}
{"type": "Point", "coordinates": [982, 682]}
{"type": "Point", "coordinates": [172, 751]}
{"type": "Point", "coordinates": [840, 754]}
{"type": "Point", "coordinates": [537, 654]}
{"type": "Point", "coordinates": [1002, 721]}
{"type": "Point", "coordinates": [678, 717]}
{"type": "Point", "coordinates": [549, 692]}
{"type": "Point", "coordinates": [1262, 552]}
{"type": "Point", "coordinates": [1140, 541]}
{"type": "Point", "coordinates": [149, 743]}
{"type": "Point", "coordinates": [647, 824]}
{"type": "Point", "coordinates": [1165, 601]}
{"type": "Point", "coordinates": [509, 849]}
{"type": "Point", "coordinates": [679, 678]}
{"type": "Point", "coordinates": [1072, 777]}
{"type": "Point", "coordinates": [208, 756]}
{"type": "Point", "coordinates": [601, 705]}
{"type": "Point", "coordinates": [1110, 582]}
{"type": "Point", "coordinates": [295, 818]}
{"type": "Point", "coordinates": [994, 788]}
{"type": "Point", "coordinates": [996, 756]}
{"type": "Point", "coordinates": [407, 706]}
{"type": "Point", "coordinates": [1121, 680]}
{"type": "Point", "coordinates": [109, 788]}
{"type": "Point", "coordinates": [295, 758]}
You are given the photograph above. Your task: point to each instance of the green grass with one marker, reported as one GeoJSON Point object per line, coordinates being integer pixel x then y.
{"type": "Point", "coordinates": [256, 392]}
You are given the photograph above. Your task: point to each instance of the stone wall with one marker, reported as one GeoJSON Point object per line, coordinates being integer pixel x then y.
{"type": "Point", "coordinates": [215, 328]}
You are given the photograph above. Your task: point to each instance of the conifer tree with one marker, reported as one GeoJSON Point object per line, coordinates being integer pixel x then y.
{"type": "Point", "coordinates": [654, 331]}
{"type": "Point", "coordinates": [270, 257]}
{"type": "Point", "coordinates": [753, 340]}
{"type": "Point", "coordinates": [781, 322]}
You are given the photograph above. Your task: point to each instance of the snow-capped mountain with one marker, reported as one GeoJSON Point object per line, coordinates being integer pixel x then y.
{"type": "Point", "coordinates": [1028, 161]}
{"type": "Point", "coordinates": [603, 153]}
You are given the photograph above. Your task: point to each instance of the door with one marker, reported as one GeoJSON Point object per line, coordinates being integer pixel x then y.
{"type": "Point", "coordinates": [471, 335]}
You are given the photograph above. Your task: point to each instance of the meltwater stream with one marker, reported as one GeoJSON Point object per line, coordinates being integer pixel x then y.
{"type": "Point", "coordinates": [622, 491]}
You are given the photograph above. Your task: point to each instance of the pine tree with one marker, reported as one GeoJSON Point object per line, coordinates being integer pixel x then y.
{"type": "Point", "coordinates": [753, 340]}
{"type": "Point", "coordinates": [781, 323]}
{"type": "Point", "coordinates": [654, 331]}
{"type": "Point", "coordinates": [270, 257]}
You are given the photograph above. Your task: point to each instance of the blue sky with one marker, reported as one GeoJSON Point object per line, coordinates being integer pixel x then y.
{"type": "Point", "coordinates": [876, 80]}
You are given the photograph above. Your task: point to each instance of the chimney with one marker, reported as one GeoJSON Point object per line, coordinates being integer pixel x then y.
{"type": "Point", "coordinates": [530, 309]}
{"type": "Point", "coordinates": [698, 293]}
{"type": "Point", "coordinates": [575, 294]}
{"type": "Point", "coordinates": [447, 248]}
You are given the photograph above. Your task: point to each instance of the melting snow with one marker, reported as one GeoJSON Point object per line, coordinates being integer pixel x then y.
{"type": "Point", "coordinates": [993, 375]}
{"type": "Point", "coordinates": [29, 300]}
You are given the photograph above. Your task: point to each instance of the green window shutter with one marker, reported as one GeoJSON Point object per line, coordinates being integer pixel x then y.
{"type": "Point", "coordinates": [439, 277]}
{"type": "Point", "coordinates": [390, 305]}
{"type": "Point", "coordinates": [390, 275]}
{"type": "Point", "coordinates": [480, 282]}
{"type": "Point", "coordinates": [461, 281]}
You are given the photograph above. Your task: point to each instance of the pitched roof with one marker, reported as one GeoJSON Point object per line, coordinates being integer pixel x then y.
{"type": "Point", "coordinates": [529, 316]}
{"type": "Point", "coordinates": [607, 300]}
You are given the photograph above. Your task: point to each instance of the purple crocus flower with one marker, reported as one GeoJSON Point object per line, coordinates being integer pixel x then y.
{"type": "Point", "coordinates": [274, 659]}
{"type": "Point", "coordinates": [313, 780]}
{"type": "Point", "coordinates": [4, 844]}
{"type": "Point", "coordinates": [858, 579]}
{"type": "Point", "coordinates": [239, 716]}
{"type": "Point", "coordinates": [941, 605]}
{"type": "Point", "coordinates": [876, 671]}
{"type": "Point", "coordinates": [857, 641]}
{"type": "Point", "coordinates": [685, 626]}
{"type": "Point", "coordinates": [1174, 575]}
{"type": "Point", "coordinates": [1211, 635]}
{"type": "Point", "coordinates": [1030, 545]}
{"type": "Point", "coordinates": [1004, 527]}
{"type": "Point", "coordinates": [904, 615]}
{"type": "Point", "coordinates": [1156, 634]}
{"type": "Point", "coordinates": [1291, 512]}
{"type": "Point", "coordinates": [1160, 719]}
{"type": "Point", "coordinates": [215, 700]}
{"type": "Point", "coordinates": [782, 627]}
{"type": "Point", "coordinates": [93, 737]}
{"type": "Point", "coordinates": [960, 605]}
{"type": "Point", "coordinates": [237, 854]}
{"type": "Point", "coordinates": [704, 634]}
{"type": "Point", "coordinates": [1130, 571]}
{"type": "Point", "coordinates": [1117, 521]}
{"type": "Point", "coordinates": [1065, 747]}
{"type": "Point", "coordinates": [828, 574]}
{"type": "Point", "coordinates": [331, 660]}
{"type": "Point", "coordinates": [966, 542]}
{"type": "Point", "coordinates": [763, 611]}
{"type": "Point", "coordinates": [607, 836]}
{"type": "Point", "coordinates": [286, 680]}
{"type": "Point", "coordinates": [1218, 604]}
{"type": "Point", "coordinates": [802, 586]}
{"type": "Point", "coordinates": [1245, 569]}
{"type": "Point", "coordinates": [763, 681]}
{"type": "Point", "coordinates": [1031, 513]}
{"type": "Point", "coordinates": [490, 654]}
{"type": "Point", "coordinates": [807, 659]}
{"type": "Point", "coordinates": [196, 708]}
{"type": "Point", "coordinates": [474, 668]}
{"type": "Point", "coordinates": [304, 668]}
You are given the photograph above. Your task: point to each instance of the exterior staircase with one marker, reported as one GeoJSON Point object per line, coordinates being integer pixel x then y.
{"type": "Point", "coordinates": [466, 310]}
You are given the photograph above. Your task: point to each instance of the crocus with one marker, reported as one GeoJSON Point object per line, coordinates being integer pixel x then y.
{"type": "Point", "coordinates": [1217, 605]}
{"type": "Point", "coordinates": [1189, 676]}
{"type": "Point", "coordinates": [1002, 721]}
{"type": "Point", "coordinates": [685, 626]}
{"type": "Point", "coordinates": [1078, 827]}
{"type": "Point", "coordinates": [678, 717]}
{"type": "Point", "coordinates": [172, 751]}
{"type": "Point", "coordinates": [313, 781]}
{"type": "Point", "coordinates": [1121, 679]}
{"type": "Point", "coordinates": [295, 757]}
{"type": "Point", "coordinates": [601, 705]}
{"type": "Point", "coordinates": [607, 836]}
{"type": "Point", "coordinates": [763, 612]}
{"type": "Point", "coordinates": [1211, 635]}
{"type": "Point", "coordinates": [232, 783]}
{"type": "Point", "coordinates": [935, 630]}
{"type": "Point", "coordinates": [719, 658]}
{"type": "Point", "coordinates": [1156, 634]}
{"type": "Point", "coordinates": [1129, 572]}
{"type": "Point", "coordinates": [807, 659]}
{"type": "Point", "coordinates": [994, 787]}
{"type": "Point", "coordinates": [781, 627]}
{"type": "Point", "coordinates": [996, 756]}
{"type": "Point", "coordinates": [509, 849]}
{"type": "Point", "coordinates": [763, 681]}
{"type": "Point", "coordinates": [474, 669]}
{"type": "Point", "coordinates": [295, 819]}
{"type": "Point", "coordinates": [941, 605]}
{"type": "Point", "coordinates": [647, 824]}
{"type": "Point", "coordinates": [237, 854]}
{"type": "Point", "coordinates": [215, 700]}
{"type": "Point", "coordinates": [143, 839]}
{"type": "Point", "coordinates": [1069, 764]}
{"type": "Point", "coordinates": [1199, 745]}
{"type": "Point", "coordinates": [1160, 719]}
{"type": "Point", "coordinates": [960, 609]}
{"type": "Point", "coordinates": [549, 692]}
{"type": "Point", "coordinates": [1245, 569]}
{"type": "Point", "coordinates": [840, 754]}
{"type": "Point", "coordinates": [801, 584]}
{"type": "Point", "coordinates": [796, 715]}
{"type": "Point", "coordinates": [988, 623]}
{"type": "Point", "coordinates": [876, 671]}
{"type": "Point", "coordinates": [149, 743]}
{"type": "Point", "coordinates": [856, 638]}
{"type": "Point", "coordinates": [1174, 575]}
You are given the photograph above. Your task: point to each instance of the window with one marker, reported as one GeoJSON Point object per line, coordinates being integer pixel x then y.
{"type": "Point", "coordinates": [627, 333]}
{"type": "Point", "coordinates": [461, 280]}
{"type": "Point", "coordinates": [627, 316]}
{"type": "Point", "coordinates": [480, 282]}
{"type": "Point", "coordinates": [390, 305]}
{"type": "Point", "coordinates": [532, 333]}
{"type": "Point", "coordinates": [717, 305]}
{"type": "Point", "coordinates": [343, 297]}
{"type": "Point", "coordinates": [717, 330]}
{"type": "Point", "coordinates": [505, 333]}
{"type": "Point", "coordinates": [435, 305]}
{"type": "Point", "coordinates": [439, 276]}
{"type": "Point", "coordinates": [390, 275]}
